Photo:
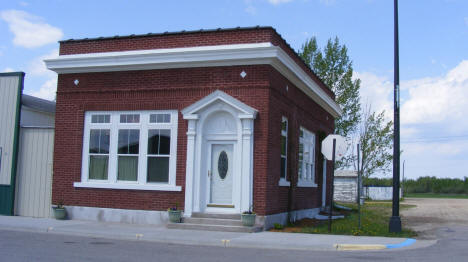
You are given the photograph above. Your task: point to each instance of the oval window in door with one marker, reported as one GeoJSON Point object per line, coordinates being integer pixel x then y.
{"type": "Point", "coordinates": [223, 164]}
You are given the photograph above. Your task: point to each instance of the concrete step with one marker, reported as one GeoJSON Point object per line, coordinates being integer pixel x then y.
{"type": "Point", "coordinates": [212, 221]}
{"type": "Point", "coordinates": [214, 227]}
{"type": "Point", "coordinates": [217, 216]}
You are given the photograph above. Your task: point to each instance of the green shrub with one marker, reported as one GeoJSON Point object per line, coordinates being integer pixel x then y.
{"type": "Point", "coordinates": [278, 226]}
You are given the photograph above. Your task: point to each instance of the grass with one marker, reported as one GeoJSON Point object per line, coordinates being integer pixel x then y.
{"type": "Point", "coordinates": [374, 222]}
{"type": "Point", "coordinates": [433, 195]}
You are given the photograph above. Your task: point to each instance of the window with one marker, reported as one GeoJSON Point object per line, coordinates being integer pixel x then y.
{"type": "Point", "coordinates": [99, 153]}
{"type": "Point", "coordinates": [284, 152]}
{"type": "Point", "coordinates": [127, 152]}
{"type": "Point", "coordinates": [130, 150]}
{"type": "Point", "coordinates": [306, 165]}
{"type": "Point", "coordinates": [159, 150]}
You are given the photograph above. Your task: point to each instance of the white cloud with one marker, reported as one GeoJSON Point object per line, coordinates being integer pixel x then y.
{"type": "Point", "coordinates": [30, 31]}
{"type": "Point", "coordinates": [37, 66]}
{"type": "Point", "coordinates": [430, 100]}
{"type": "Point", "coordinates": [8, 69]}
{"type": "Point", "coordinates": [377, 92]}
{"type": "Point", "coordinates": [47, 90]}
{"type": "Point", "coordinates": [433, 125]}
{"type": "Point", "coordinates": [439, 99]}
{"type": "Point", "coordinates": [22, 3]}
{"type": "Point", "coordinates": [443, 149]}
{"type": "Point", "coordinates": [277, 2]}
{"type": "Point", "coordinates": [466, 21]}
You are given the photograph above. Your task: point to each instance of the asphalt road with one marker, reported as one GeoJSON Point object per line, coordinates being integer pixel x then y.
{"type": "Point", "coordinates": [27, 246]}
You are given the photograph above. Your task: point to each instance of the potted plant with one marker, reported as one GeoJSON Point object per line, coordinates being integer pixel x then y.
{"type": "Point", "coordinates": [59, 211]}
{"type": "Point", "coordinates": [248, 218]}
{"type": "Point", "coordinates": [175, 215]}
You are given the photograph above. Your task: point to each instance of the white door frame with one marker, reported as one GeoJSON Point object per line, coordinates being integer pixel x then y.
{"type": "Point", "coordinates": [197, 115]}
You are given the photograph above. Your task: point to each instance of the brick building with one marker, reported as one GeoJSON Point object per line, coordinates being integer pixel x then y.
{"type": "Point", "coordinates": [216, 121]}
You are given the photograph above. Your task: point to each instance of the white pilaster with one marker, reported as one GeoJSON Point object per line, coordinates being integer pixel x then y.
{"type": "Point", "coordinates": [247, 163]}
{"type": "Point", "coordinates": [191, 135]}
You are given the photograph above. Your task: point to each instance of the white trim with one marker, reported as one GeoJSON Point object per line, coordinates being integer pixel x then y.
{"type": "Point", "coordinates": [284, 182]}
{"type": "Point", "coordinates": [190, 111]}
{"type": "Point", "coordinates": [199, 138]}
{"type": "Point", "coordinates": [301, 183]}
{"type": "Point", "coordinates": [284, 134]}
{"type": "Point", "coordinates": [308, 144]}
{"type": "Point", "coordinates": [143, 126]}
{"type": "Point", "coordinates": [132, 186]}
{"type": "Point", "coordinates": [202, 56]}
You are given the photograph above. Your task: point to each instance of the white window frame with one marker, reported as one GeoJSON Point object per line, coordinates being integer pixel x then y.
{"type": "Point", "coordinates": [284, 133]}
{"type": "Point", "coordinates": [144, 125]}
{"type": "Point", "coordinates": [306, 174]}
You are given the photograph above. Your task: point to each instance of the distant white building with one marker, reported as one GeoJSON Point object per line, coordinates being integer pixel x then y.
{"type": "Point", "coordinates": [345, 183]}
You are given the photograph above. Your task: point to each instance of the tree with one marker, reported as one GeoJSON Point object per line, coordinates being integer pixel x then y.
{"type": "Point", "coordinates": [335, 69]}
{"type": "Point", "coordinates": [376, 142]}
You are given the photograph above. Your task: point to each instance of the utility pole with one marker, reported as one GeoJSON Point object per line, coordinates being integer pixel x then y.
{"type": "Point", "coordinates": [359, 188]}
{"type": "Point", "coordinates": [395, 221]}
{"type": "Point", "coordinates": [403, 181]}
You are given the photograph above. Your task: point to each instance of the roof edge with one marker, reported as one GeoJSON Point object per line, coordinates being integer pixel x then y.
{"type": "Point", "coordinates": [168, 33]}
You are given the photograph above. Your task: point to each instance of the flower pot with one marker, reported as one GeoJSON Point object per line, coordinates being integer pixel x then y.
{"type": "Point", "coordinates": [175, 216]}
{"type": "Point", "coordinates": [60, 213]}
{"type": "Point", "coordinates": [248, 220]}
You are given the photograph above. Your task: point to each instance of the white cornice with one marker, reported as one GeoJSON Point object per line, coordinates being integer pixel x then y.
{"type": "Point", "coordinates": [203, 56]}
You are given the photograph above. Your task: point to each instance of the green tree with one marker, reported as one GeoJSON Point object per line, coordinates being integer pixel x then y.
{"type": "Point", "coordinates": [376, 142]}
{"type": "Point", "coordinates": [335, 69]}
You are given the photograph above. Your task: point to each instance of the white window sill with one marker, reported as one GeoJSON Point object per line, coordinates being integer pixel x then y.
{"type": "Point", "coordinates": [284, 182]}
{"type": "Point", "coordinates": [128, 186]}
{"type": "Point", "coordinates": [306, 184]}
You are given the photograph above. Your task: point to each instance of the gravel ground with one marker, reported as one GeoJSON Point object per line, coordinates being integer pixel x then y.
{"type": "Point", "coordinates": [433, 213]}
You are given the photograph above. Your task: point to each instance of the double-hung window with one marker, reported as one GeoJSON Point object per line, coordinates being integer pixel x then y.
{"type": "Point", "coordinates": [130, 150]}
{"type": "Point", "coordinates": [306, 165]}
{"type": "Point", "coordinates": [284, 152]}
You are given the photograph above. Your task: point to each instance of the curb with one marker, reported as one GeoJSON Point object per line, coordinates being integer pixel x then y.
{"type": "Point", "coordinates": [407, 242]}
{"type": "Point", "coordinates": [358, 247]}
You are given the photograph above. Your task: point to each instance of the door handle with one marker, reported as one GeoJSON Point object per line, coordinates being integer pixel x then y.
{"type": "Point", "coordinates": [209, 173]}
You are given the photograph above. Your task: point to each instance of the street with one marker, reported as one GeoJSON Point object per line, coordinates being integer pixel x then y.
{"type": "Point", "coordinates": [28, 246]}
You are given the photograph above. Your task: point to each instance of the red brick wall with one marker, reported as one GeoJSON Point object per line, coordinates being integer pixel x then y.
{"type": "Point", "coordinates": [300, 111]}
{"type": "Point", "coordinates": [207, 38]}
{"type": "Point", "coordinates": [149, 90]}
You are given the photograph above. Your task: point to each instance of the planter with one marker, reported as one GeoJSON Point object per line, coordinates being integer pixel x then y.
{"type": "Point", "coordinates": [175, 216]}
{"type": "Point", "coordinates": [60, 213]}
{"type": "Point", "coordinates": [248, 220]}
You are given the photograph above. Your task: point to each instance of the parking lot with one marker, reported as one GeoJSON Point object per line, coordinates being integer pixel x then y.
{"type": "Point", "coordinates": [433, 213]}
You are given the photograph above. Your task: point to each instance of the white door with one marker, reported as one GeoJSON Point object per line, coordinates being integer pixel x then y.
{"type": "Point", "coordinates": [221, 175]}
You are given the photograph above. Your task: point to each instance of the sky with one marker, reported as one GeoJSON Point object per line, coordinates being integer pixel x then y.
{"type": "Point", "coordinates": [433, 53]}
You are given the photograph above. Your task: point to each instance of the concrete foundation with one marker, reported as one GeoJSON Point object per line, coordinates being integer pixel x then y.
{"type": "Point", "coordinates": [117, 215]}
{"type": "Point", "coordinates": [161, 218]}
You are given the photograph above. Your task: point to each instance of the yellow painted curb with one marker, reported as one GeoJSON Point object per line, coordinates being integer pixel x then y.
{"type": "Point", "coordinates": [358, 247]}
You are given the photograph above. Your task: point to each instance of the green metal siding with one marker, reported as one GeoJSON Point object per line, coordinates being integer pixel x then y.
{"type": "Point", "coordinates": [7, 192]}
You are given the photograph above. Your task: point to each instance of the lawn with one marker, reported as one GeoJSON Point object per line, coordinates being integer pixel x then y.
{"type": "Point", "coordinates": [374, 220]}
{"type": "Point", "coordinates": [433, 195]}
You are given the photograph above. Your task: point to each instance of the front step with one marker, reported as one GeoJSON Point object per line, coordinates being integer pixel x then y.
{"type": "Point", "coordinates": [214, 222]}
{"type": "Point", "coordinates": [216, 215]}
{"type": "Point", "coordinates": [214, 227]}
